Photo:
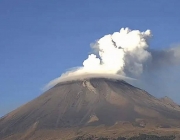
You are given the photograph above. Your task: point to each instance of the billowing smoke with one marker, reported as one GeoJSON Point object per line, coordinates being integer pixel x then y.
{"type": "Point", "coordinates": [116, 50]}
{"type": "Point", "coordinates": [121, 54]}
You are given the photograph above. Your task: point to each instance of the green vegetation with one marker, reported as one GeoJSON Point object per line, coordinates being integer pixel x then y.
{"type": "Point", "coordinates": [152, 137]}
{"type": "Point", "coordinates": [140, 137]}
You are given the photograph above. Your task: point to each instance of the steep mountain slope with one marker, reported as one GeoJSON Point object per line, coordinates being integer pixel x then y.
{"type": "Point", "coordinates": [88, 103]}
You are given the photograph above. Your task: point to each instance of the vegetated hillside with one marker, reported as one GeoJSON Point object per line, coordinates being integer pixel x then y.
{"type": "Point", "coordinates": [82, 104]}
{"type": "Point", "coordinates": [140, 137]}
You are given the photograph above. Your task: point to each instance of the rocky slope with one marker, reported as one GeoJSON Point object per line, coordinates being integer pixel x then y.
{"type": "Point", "coordinates": [84, 105]}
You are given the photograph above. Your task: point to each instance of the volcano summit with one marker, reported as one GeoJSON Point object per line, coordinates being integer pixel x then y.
{"type": "Point", "coordinates": [100, 106]}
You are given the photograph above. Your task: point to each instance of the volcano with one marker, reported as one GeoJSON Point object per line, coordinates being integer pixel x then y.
{"type": "Point", "coordinates": [98, 106]}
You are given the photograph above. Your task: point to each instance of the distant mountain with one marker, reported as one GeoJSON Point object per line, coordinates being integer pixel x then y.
{"type": "Point", "coordinates": [96, 106]}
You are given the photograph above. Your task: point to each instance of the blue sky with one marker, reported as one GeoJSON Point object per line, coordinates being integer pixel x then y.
{"type": "Point", "coordinates": [40, 39]}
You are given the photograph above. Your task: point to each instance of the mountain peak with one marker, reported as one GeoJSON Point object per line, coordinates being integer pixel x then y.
{"type": "Point", "coordinates": [90, 103]}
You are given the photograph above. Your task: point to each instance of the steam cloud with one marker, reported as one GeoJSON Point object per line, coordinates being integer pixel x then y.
{"type": "Point", "coordinates": [121, 54]}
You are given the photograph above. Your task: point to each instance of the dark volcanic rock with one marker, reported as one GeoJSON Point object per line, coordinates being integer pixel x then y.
{"type": "Point", "coordinates": [90, 102]}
